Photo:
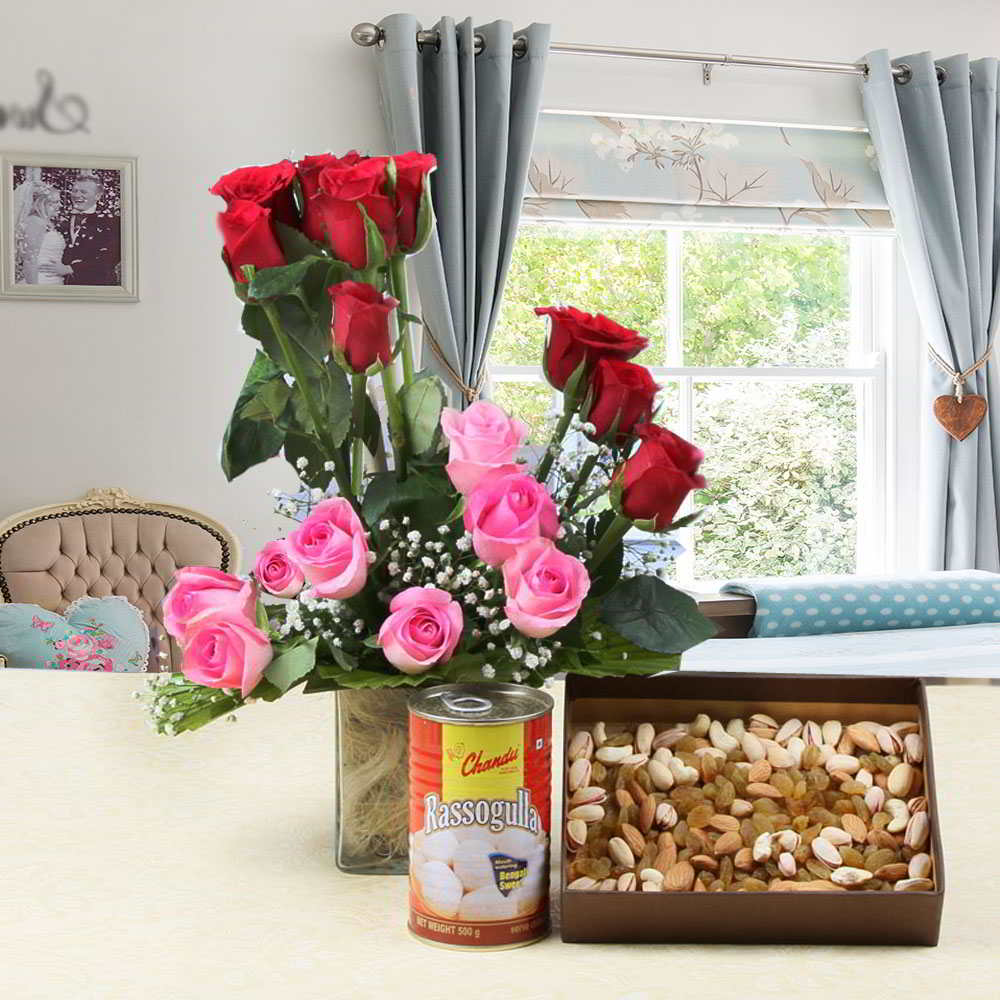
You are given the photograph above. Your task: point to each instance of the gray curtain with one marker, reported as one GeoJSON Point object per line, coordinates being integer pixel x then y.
{"type": "Point", "coordinates": [477, 114]}
{"type": "Point", "coordinates": [935, 137]}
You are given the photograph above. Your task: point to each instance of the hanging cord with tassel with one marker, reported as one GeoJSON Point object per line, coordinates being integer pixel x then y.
{"type": "Point", "coordinates": [470, 392]}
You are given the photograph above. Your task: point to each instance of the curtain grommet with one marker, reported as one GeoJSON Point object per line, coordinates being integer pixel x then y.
{"type": "Point", "coordinates": [942, 74]}
{"type": "Point", "coordinates": [903, 74]}
{"type": "Point", "coordinates": [520, 47]}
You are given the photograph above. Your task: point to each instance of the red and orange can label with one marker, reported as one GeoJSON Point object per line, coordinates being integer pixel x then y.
{"type": "Point", "coordinates": [480, 789]}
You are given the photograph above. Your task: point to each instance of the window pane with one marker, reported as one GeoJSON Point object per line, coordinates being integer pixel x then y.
{"type": "Point", "coordinates": [530, 402]}
{"type": "Point", "coordinates": [755, 299]}
{"type": "Point", "coordinates": [668, 402]}
{"type": "Point", "coordinates": [781, 464]}
{"type": "Point", "coordinates": [614, 270]}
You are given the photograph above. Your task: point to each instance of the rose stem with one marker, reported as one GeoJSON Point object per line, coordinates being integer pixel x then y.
{"type": "Point", "coordinates": [585, 470]}
{"type": "Point", "coordinates": [397, 433]}
{"type": "Point", "coordinates": [545, 465]}
{"type": "Point", "coordinates": [397, 274]}
{"type": "Point", "coordinates": [333, 452]}
{"type": "Point", "coordinates": [614, 534]}
{"type": "Point", "coordinates": [358, 398]}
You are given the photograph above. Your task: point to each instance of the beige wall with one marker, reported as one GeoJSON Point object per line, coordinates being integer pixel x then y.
{"type": "Point", "coordinates": [138, 394]}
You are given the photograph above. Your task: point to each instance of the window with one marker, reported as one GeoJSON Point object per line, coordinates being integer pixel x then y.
{"type": "Point", "coordinates": [767, 345]}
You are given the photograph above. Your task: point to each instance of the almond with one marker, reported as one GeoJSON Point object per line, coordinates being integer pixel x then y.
{"type": "Point", "coordinates": [666, 859]}
{"type": "Point", "coordinates": [647, 813]}
{"type": "Point", "coordinates": [863, 738]}
{"type": "Point", "coordinates": [762, 789]}
{"type": "Point", "coordinates": [855, 826]}
{"type": "Point", "coordinates": [760, 771]}
{"type": "Point", "coordinates": [901, 779]}
{"type": "Point", "coordinates": [728, 843]}
{"type": "Point", "coordinates": [743, 860]}
{"type": "Point", "coordinates": [702, 863]}
{"type": "Point", "coordinates": [679, 877]}
{"type": "Point", "coordinates": [635, 840]}
{"type": "Point", "coordinates": [816, 885]}
{"type": "Point", "coordinates": [892, 872]}
{"type": "Point", "coordinates": [724, 823]}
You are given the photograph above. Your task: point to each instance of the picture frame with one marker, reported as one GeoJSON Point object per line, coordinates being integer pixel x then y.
{"type": "Point", "coordinates": [68, 227]}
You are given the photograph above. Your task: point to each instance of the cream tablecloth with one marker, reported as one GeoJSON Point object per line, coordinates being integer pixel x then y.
{"type": "Point", "coordinates": [134, 865]}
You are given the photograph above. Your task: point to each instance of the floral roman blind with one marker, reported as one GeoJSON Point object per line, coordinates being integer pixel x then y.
{"type": "Point", "coordinates": [652, 170]}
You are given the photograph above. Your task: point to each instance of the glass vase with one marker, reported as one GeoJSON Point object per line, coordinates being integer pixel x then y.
{"type": "Point", "coordinates": [372, 800]}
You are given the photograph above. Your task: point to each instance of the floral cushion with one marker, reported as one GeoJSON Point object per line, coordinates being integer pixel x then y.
{"type": "Point", "coordinates": [95, 633]}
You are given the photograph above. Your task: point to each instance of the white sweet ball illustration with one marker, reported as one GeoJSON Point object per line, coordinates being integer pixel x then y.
{"type": "Point", "coordinates": [516, 843]}
{"type": "Point", "coordinates": [472, 864]}
{"type": "Point", "coordinates": [417, 858]}
{"type": "Point", "coordinates": [438, 846]}
{"type": "Point", "coordinates": [440, 888]}
{"type": "Point", "coordinates": [482, 833]}
{"type": "Point", "coordinates": [487, 903]}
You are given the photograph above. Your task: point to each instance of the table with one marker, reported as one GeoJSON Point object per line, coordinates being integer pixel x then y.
{"type": "Point", "coordinates": [141, 866]}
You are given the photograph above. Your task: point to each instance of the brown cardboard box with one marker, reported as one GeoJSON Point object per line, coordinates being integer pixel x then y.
{"type": "Point", "coordinates": [851, 917]}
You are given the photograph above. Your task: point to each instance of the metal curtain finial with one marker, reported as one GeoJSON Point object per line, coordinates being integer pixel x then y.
{"type": "Point", "coordinates": [366, 34]}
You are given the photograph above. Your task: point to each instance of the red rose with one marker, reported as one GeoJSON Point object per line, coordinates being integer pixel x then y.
{"type": "Point", "coordinates": [343, 191]}
{"type": "Point", "coordinates": [657, 478]}
{"type": "Point", "coordinates": [309, 168]}
{"type": "Point", "coordinates": [622, 391]}
{"type": "Point", "coordinates": [361, 324]}
{"type": "Point", "coordinates": [270, 187]}
{"type": "Point", "coordinates": [248, 237]}
{"type": "Point", "coordinates": [411, 169]}
{"type": "Point", "coordinates": [576, 335]}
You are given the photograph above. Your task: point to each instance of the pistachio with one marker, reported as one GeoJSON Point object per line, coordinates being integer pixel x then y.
{"type": "Point", "coordinates": [917, 831]}
{"type": "Point", "coordinates": [920, 866]}
{"type": "Point", "coordinates": [591, 794]}
{"type": "Point", "coordinates": [763, 721]}
{"type": "Point", "coordinates": [583, 882]}
{"type": "Point", "coordinates": [875, 799]}
{"type": "Point", "coordinates": [666, 816]}
{"type": "Point", "coordinates": [581, 746]}
{"type": "Point", "coordinates": [599, 733]}
{"type": "Point", "coordinates": [576, 834]}
{"type": "Point", "coordinates": [626, 882]}
{"type": "Point", "coordinates": [789, 729]}
{"type": "Point", "coordinates": [913, 748]}
{"type": "Point", "coordinates": [888, 741]}
{"type": "Point", "coordinates": [613, 755]}
{"type": "Point", "coordinates": [644, 738]}
{"type": "Point", "coordinates": [812, 734]}
{"type": "Point", "coordinates": [635, 759]}
{"type": "Point", "coordinates": [778, 756]}
{"type": "Point", "coordinates": [589, 814]}
{"type": "Point", "coordinates": [836, 836]}
{"type": "Point", "coordinates": [826, 852]}
{"type": "Point", "coordinates": [698, 728]}
{"type": "Point", "coordinates": [914, 885]}
{"type": "Point", "coordinates": [787, 864]}
{"type": "Point", "coordinates": [841, 762]}
{"type": "Point", "coordinates": [832, 732]}
{"type": "Point", "coordinates": [901, 779]}
{"type": "Point", "coordinates": [620, 853]}
{"type": "Point", "coordinates": [849, 876]}
{"type": "Point", "coordinates": [669, 738]}
{"type": "Point", "coordinates": [579, 773]}
{"type": "Point", "coordinates": [789, 840]}
{"type": "Point", "coordinates": [795, 748]}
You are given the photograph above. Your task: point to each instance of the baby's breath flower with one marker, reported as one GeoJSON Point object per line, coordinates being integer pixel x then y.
{"type": "Point", "coordinates": [301, 462]}
{"type": "Point", "coordinates": [489, 672]}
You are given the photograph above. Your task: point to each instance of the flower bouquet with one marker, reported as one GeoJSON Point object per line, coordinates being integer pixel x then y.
{"type": "Point", "coordinates": [438, 547]}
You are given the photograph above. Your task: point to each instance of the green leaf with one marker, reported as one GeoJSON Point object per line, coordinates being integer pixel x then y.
{"type": "Point", "coordinates": [269, 402]}
{"type": "Point", "coordinates": [337, 395]}
{"type": "Point", "coordinates": [425, 218]}
{"type": "Point", "coordinates": [299, 445]}
{"type": "Point", "coordinates": [295, 244]}
{"type": "Point", "coordinates": [310, 335]}
{"type": "Point", "coordinates": [683, 522]}
{"type": "Point", "coordinates": [292, 664]}
{"type": "Point", "coordinates": [248, 442]}
{"type": "Point", "coordinates": [422, 402]}
{"type": "Point", "coordinates": [375, 255]}
{"type": "Point", "coordinates": [376, 679]}
{"type": "Point", "coordinates": [644, 610]}
{"type": "Point", "coordinates": [385, 491]}
{"type": "Point", "coordinates": [273, 282]}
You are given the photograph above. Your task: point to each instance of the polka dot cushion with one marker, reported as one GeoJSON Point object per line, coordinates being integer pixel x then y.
{"type": "Point", "coordinates": [823, 605]}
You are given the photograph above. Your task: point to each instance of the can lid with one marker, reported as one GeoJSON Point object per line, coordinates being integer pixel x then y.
{"type": "Point", "coordinates": [480, 704]}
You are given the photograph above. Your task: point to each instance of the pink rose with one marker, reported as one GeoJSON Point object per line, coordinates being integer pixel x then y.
{"type": "Point", "coordinates": [483, 439]}
{"type": "Point", "coordinates": [81, 645]}
{"type": "Point", "coordinates": [545, 588]}
{"type": "Point", "coordinates": [200, 589]}
{"type": "Point", "coordinates": [504, 512]}
{"type": "Point", "coordinates": [331, 550]}
{"type": "Point", "coordinates": [106, 643]}
{"type": "Point", "coordinates": [224, 649]}
{"type": "Point", "coordinates": [423, 628]}
{"type": "Point", "coordinates": [101, 663]}
{"type": "Point", "coordinates": [276, 572]}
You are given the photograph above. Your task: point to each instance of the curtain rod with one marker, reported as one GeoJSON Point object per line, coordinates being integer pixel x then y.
{"type": "Point", "coordinates": [367, 35]}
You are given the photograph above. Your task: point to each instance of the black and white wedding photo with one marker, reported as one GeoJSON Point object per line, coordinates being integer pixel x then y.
{"type": "Point", "coordinates": [67, 230]}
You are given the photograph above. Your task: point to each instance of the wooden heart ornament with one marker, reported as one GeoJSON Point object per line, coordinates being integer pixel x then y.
{"type": "Point", "coordinates": [960, 417]}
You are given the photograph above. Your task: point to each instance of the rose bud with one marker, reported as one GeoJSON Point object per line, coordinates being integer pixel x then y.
{"type": "Point", "coordinates": [482, 439]}
{"type": "Point", "coordinates": [276, 572]}
{"type": "Point", "coordinates": [270, 187]}
{"type": "Point", "coordinates": [331, 550]}
{"type": "Point", "coordinates": [576, 336]}
{"type": "Point", "coordinates": [412, 171]}
{"type": "Point", "coordinates": [622, 397]}
{"type": "Point", "coordinates": [657, 478]}
{"type": "Point", "coordinates": [544, 587]}
{"type": "Point", "coordinates": [346, 189]}
{"type": "Point", "coordinates": [423, 628]}
{"type": "Point", "coordinates": [248, 237]}
{"type": "Point", "coordinates": [361, 324]}
{"type": "Point", "coordinates": [309, 168]}
{"type": "Point", "coordinates": [226, 650]}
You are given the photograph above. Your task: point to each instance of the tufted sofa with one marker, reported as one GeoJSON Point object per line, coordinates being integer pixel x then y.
{"type": "Point", "coordinates": [109, 543]}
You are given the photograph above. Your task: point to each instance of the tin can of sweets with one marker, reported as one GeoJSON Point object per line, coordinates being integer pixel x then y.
{"type": "Point", "coordinates": [480, 789]}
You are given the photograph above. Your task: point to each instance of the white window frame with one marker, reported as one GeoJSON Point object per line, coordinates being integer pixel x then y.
{"type": "Point", "coordinates": [873, 284]}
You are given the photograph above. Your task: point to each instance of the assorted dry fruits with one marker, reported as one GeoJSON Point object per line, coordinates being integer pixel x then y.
{"type": "Point", "coordinates": [748, 806]}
